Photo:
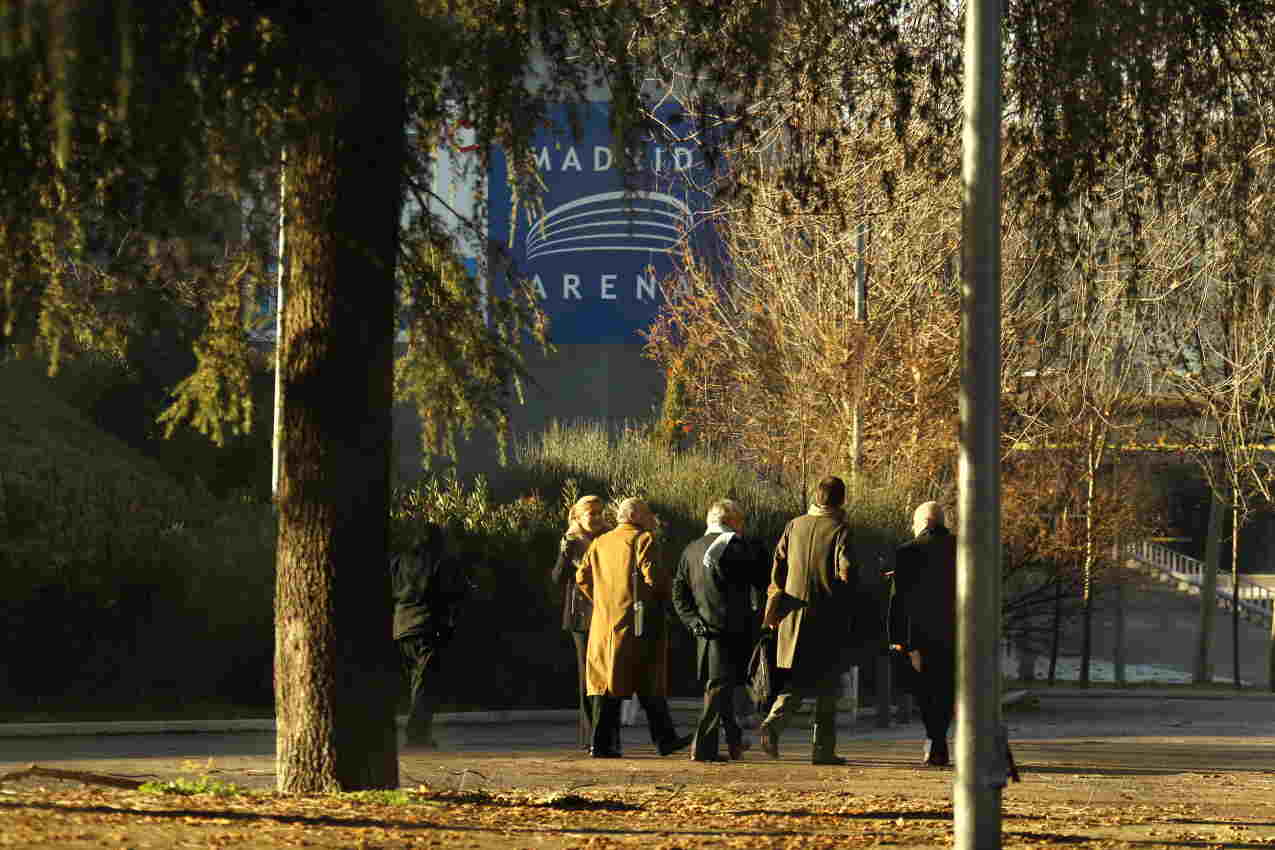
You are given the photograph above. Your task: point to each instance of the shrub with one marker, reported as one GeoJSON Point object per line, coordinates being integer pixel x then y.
{"type": "Point", "coordinates": [135, 590]}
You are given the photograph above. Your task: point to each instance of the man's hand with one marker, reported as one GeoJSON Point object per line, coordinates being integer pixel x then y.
{"type": "Point", "coordinates": [701, 630]}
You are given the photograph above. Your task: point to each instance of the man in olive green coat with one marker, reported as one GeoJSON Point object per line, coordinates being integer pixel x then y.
{"type": "Point", "coordinates": [815, 579]}
{"type": "Point", "coordinates": [620, 574]}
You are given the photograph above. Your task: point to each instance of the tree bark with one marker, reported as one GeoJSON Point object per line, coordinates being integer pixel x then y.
{"type": "Point", "coordinates": [1055, 636]}
{"type": "Point", "coordinates": [1208, 589]}
{"type": "Point", "coordinates": [335, 684]}
{"type": "Point", "coordinates": [1235, 587]}
{"type": "Point", "coordinates": [1092, 462]}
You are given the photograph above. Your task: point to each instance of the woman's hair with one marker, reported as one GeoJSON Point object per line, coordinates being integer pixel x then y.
{"type": "Point", "coordinates": [723, 510]}
{"type": "Point", "coordinates": [577, 510]}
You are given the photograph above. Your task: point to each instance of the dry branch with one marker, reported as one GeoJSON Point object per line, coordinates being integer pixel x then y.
{"type": "Point", "coordinates": [75, 775]}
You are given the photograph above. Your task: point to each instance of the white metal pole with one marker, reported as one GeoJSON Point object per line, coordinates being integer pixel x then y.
{"type": "Point", "coordinates": [278, 329]}
{"type": "Point", "coordinates": [980, 753]}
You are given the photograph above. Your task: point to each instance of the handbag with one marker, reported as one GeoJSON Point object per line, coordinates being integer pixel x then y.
{"type": "Point", "coordinates": [642, 624]}
{"type": "Point", "coordinates": [580, 610]}
{"type": "Point", "coordinates": [761, 670]}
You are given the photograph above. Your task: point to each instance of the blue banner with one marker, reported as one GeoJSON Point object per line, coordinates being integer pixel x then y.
{"type": "Point", "coordinates": [597, 252]}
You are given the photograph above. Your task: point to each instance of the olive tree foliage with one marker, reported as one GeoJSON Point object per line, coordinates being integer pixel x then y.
{"type": "Point", "coordinates": [204, 96]}
{"type": "Point", "coordinates": [126, 120]}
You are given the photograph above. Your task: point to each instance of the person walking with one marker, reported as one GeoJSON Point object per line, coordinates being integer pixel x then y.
{"type": "Point", "coordinates": [628, 633]}
{"type": "Point", "coordinates": [429, 586]}
{"type": "Point", "coordinates": [922, 625]}
{"type": "Point", "coordinates": [585, 521]}
{"type": "Point", "coordinates": [717, 594]}
{"type": "Point", "coordinates": [813, 584]}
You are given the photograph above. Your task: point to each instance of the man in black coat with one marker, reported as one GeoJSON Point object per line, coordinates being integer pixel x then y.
{"type": "Point", "coordinates": [717, 592]}
{"type": "Point", "coordinates": [923, 625]}
{"type": "Point", "coordinates": [429, 587]}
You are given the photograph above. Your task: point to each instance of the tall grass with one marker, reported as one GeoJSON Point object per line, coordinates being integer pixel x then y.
{"type": "Point", "coordinates": [681, 484]}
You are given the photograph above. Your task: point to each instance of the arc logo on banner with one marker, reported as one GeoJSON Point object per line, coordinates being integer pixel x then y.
{"type": "Point", "coordinates": [597, 250]}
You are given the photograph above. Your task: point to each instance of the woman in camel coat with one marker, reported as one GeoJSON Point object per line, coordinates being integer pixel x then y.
{"type": "Point", "coordinates": [621, 569]}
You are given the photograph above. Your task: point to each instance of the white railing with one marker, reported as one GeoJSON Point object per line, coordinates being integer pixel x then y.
{"type": "Point", "coordinates": [1254, 599]}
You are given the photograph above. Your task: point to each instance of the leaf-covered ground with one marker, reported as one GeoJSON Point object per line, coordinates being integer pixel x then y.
{"type": "Point", "coordinates": [650, 817]}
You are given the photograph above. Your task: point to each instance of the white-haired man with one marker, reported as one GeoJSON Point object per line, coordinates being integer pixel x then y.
{"type": "Point", "coordinates": [717, 592]}
{"type": "Point", "coordinates": [923, 624]}
{"type": "Point", "coordinates": [627, 653]}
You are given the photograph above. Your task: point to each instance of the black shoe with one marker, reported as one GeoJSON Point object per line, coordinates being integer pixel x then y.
{"type": "Point", "coordinates": [828, 759]}
{"type": "Point", "coordinates": [936, 754]}
{"type": "Point", "coordinates": [737, 750]}
{"type": "Point", "coordinates": [675, 744]}
{"type": "Point", "coordinates": [706, 757]}
{"type": "Point", "coordinates": [605, 754]}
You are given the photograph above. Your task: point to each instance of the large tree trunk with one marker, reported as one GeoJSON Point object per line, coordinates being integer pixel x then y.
{"type": "Point", "coordinates": [335, 686]}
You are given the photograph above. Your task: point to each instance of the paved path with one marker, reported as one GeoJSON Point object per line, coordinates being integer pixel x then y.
{"type": "Point", "coordinates": [1103, 736]}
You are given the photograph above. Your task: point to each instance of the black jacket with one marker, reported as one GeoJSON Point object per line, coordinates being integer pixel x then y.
{"type": "Point", "coordinates": [429, 587]}
{"type": "Point", "coordinates": [577, 610]}
{"type": "Point", "coordinates": [727, 601]}
{"type": "Point", "coordinates": [923, 595]}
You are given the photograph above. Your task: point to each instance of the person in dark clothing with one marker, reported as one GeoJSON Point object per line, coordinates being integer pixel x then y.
{"type": "Point", "coordinates": [585, 521]}
{"type": "Point", "coordinates": [717, 594]}
{"type": "Point", "coordinates": [813, 589]}
{"type": "Point", "coordinates": [429, 587]}
{"type": "Point", "coordinates": [922, 625]}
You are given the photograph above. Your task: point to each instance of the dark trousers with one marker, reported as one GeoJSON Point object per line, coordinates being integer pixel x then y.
{"type": "Point", "coordinates": [718, 714]}
{"type": "Point", "coordinates": [606, 721]}
{"type": "Point", "coordinates": [934, 688]}
{"type": "Point", "coordinates": [420, 659]}
{"type": "Point", "coordinates": [937, 698]}
{"type": "Point", "coordinates": [586, 709]}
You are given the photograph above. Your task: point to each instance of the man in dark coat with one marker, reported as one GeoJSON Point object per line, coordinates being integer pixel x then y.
{"type": "Point", "coordinates": [923, 625]}
{"type": "Point", "coordinates": [717, 594]}
{"type": "Point", "coordinates": [429, 587]}
{"type": "Point", "coordinates": [815, 579]}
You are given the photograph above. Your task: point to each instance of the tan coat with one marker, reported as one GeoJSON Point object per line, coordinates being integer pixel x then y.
{"type": "Point", "coordinates": [814, 562]}
{"type": "Point", "coordinates": [618, 663]}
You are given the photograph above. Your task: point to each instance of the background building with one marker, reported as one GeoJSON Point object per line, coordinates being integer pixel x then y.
{"type": "Point", "coordinates": [598, 248]}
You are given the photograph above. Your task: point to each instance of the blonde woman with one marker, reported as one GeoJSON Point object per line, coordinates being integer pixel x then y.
{"type": "Point", "coordinates": [585, 521]}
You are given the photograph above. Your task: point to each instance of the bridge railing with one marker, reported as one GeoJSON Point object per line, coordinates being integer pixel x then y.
{"type": "Point", "coordinates": [1254, 599]}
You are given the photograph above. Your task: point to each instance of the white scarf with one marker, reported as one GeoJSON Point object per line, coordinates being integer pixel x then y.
{"type": "Point", "coordinates": [824, 510]}
{"type": "Point", "coordinates": [713, 555]}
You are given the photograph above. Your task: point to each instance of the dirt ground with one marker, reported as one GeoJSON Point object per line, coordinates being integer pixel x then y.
{"type": "Point", "coordinates": [1134, 770]}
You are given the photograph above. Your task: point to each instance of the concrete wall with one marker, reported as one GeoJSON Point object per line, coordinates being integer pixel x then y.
{"type": "Point", "coordinates": [608, 382]}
